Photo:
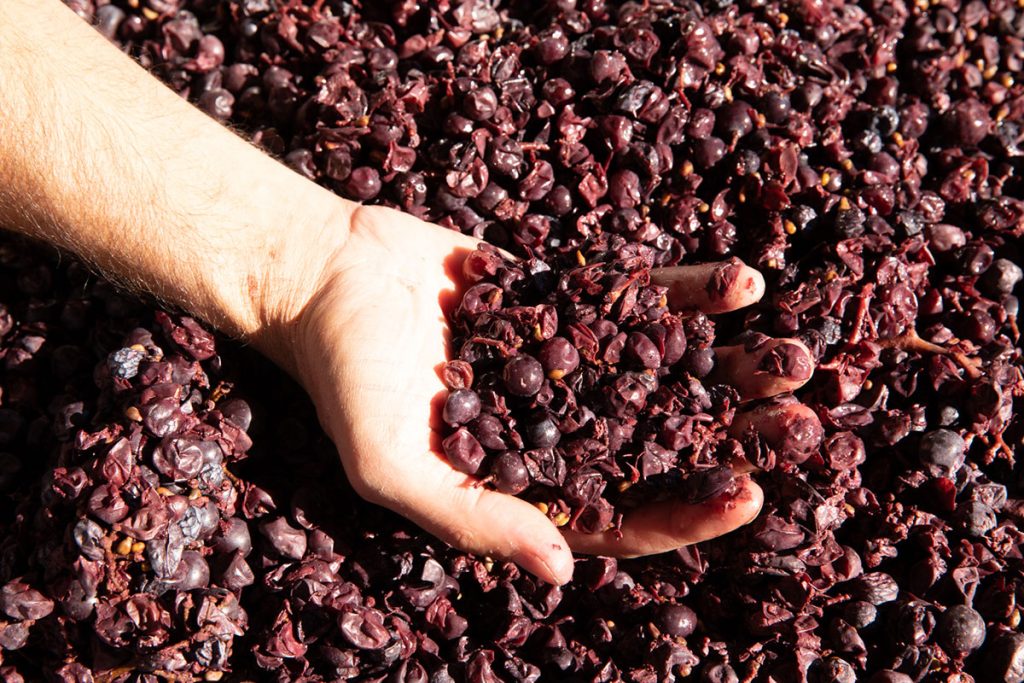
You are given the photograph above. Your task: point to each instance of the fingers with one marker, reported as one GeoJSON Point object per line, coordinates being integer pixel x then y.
{"type": "Point", "coordinates": [791, 429]}
{"type": "Point", "coordinates": [775, 367]}
{"type": "Point", "coordinates": [711, 287]}
{"type": "Point", "coordinates": [468, 516]}
{"type": "Point", "coordinates": [668, 525]}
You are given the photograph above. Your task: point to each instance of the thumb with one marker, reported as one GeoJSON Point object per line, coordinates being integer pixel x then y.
{"type": "Point", "coordinates": [470, 517]}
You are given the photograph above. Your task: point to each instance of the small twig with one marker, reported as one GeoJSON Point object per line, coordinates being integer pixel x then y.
{"type": "Point", "coordinates": [864, 301]}
{"type": "Point", "coordinates": [910, 341]}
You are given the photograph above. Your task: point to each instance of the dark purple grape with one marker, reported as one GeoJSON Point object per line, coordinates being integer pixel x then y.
{"type": "Point", "coordinates": [641, 351]}
{"type": "Point", "coordinates": [776, 107]}
{"type": "Point", "coordinates": [942, 452]}
{"type": "Point", "coordinates": [719, 672]}
{"type": "Point", "coordinates": [876, 588]}
{"type": "Point", "coordinates": [552, 47]}
{"type": "Point", "coordinates": [88, 536]}
{"type": "Point", "coordinates": [1000, 279]}
{"type": "Point", "coordinates": [489, 431]}
{"type": "Point", "coordinates": [607, 66]}
{"type": "Point", "coordinates": [363, 183]}
{"type": "Point", "coordinates": [708, 152]}
{"type": "Point", "coordinates": [968, 122]}
{"type": "Point", "coordinates": [193, 572]}
{"type": "Point", "coordinates": [510, 473]}
{"type": "Point", "coordinates": [677, 620]}
{"type": "Point", "coordinates": [733, 121]}
{"type": "Point", "coordinates": [559, 201]}
{"type": "Point", "coordinates": [523, 375]}
{"type": "Point", "coordinates": [624, 189]}
{"type": "Point", "coordinates": [20, 601]}
{"type": "Point", "coordinates": [557, 91]}
{"type": "Point", "coordinates": [461, 406]}
{"type": "Point", "coordinates": [1004, 658]}
{"type": "Point", "coordinates": [285, 539]}
{"type": "Point", "coordinates": [976, 518]}
{"type": "Point", "coordinates": [542, 433]}
{"type": "Point", "coordinates": [233, 536]}
{"type": "Point", "coordinates": [108, 20]}
{"type": "Point", "coordinates": [859, 613]}
{"type": "Point", "coordinates": [238, 412]}
{"type": "Point", "coordinates": [960, 630]}
{"type": "Point", "coordinates": [558, 357]}
{"type": "Point", "coordinates": [699, 362]}
{"type": "Point", "coordinates": [807, 97]}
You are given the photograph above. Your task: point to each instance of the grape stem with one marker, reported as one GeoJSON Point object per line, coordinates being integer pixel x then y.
{"type": "Point", "coordinates": [910, 341]}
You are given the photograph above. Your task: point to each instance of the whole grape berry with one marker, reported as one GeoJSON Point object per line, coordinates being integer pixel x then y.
{"type": "Point", "coordinates": [523, 375]}
{"type": "Point", "coordinates": [1001, 277]}
{"type": "Point", "coordinates": [859, 613]}
{"type": "Point", "coordinates": [961, 630]}
{"type": "Point", "coordinates": [542, 433]}
{"type": "Point", "coordinates": [677, 620]}
{"type": "Point", "coordinates": [461, 406]}
{"type": "Point", "coordinates": [968, 122]}
{"type": "Point", "coordinates": [558, 357]}
{"type": "Point", "coordinates": [641, 351]}
{"type": "Point", "coordinates": [942, 452]}
{"type": "Point", "coordinates": [509, 473]}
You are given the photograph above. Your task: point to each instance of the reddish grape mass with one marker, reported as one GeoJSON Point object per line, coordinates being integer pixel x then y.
{"type": "Point", "coordinates": [171, 511]}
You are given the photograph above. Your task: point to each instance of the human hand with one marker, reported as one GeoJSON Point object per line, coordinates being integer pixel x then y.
{"type": "Point", "coordinates": [368, 343]}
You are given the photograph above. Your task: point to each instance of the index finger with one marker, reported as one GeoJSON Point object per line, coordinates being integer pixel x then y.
{"type": "Point", "coordinates": [711, 287]}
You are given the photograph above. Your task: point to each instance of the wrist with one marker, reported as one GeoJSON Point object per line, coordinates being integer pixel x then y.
{"type": "Point", "coordinates": [285, 271]}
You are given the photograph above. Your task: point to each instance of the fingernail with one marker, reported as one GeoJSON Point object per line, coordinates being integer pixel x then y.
{"type": "Point", "coordinates": [786, 361]}
{"type": "Point", "coordinates": [559, 564]}
{"type": "Point", "coordinates": [555, 566]}
{"type": "Point", "coordinates": [723, 279]}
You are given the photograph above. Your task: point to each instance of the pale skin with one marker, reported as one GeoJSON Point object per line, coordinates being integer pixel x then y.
{"type": "Point", "coordinates": [100, 159]}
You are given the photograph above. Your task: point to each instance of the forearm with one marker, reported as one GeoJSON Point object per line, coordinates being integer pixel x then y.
{"type": "Point", "coordinates": [98, 157]}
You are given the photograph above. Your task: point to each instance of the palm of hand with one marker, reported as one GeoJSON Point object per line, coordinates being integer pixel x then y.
{"type": "Point", "coordinates": [372, 342]}
{"type": "Point", "coordinates": [368, 347]}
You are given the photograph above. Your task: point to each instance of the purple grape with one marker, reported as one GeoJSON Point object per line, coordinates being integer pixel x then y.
{"type": "Point", "coordinates": [960, 630]}
{"type": "Point", "coordinates": [542, 433]}
{"type": "Point", "coordinates": [708, 152]}
{"type": "Point", "coordinates": [677, 620]}
{"type": "Point", "coordinates": [558, 357]}
{"type": "Point", "coordinates": [523, 375]}
{"type": "Point", "coordinates": [942, 452]}
{"type": "Point", "coordinates": [461, 406]}
{"type": "Point", "coordinates": [510, 473]}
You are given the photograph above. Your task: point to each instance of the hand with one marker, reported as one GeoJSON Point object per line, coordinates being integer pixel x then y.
{"type": "Point", "coordinates": [367, 346]}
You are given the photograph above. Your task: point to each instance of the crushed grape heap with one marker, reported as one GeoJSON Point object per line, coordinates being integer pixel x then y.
{"type": "Point", "coordinates": [866, 157]}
